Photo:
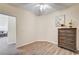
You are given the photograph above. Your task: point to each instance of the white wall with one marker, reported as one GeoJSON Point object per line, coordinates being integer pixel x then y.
{"type": "Point", "coordinates": [45, 29]}
{"type": "Point", "coordinates": [11, 30]}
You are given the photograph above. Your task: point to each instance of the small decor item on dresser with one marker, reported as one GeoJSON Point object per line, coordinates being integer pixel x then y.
{"type": "Point", "coordinates": [62, 25]}
{"type": "Point", "coordinates": [70, 24]}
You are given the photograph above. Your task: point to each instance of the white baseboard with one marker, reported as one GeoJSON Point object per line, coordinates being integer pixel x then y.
{"type": "Point", "coordinates": [55, 42]}
{"type": "Point", "coordinates": [34, 41]}
{"type": "Point", "coordinates": [23, 44]}
{"type": "Point", "coordinates": [12, 43]}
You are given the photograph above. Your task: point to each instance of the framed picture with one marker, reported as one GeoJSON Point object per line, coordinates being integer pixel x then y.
{"type": "Point", "coordinates": [60, 20]}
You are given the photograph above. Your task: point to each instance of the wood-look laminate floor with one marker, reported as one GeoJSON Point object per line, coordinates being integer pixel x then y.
{"type": "Point", "coordinates": [44, 48]}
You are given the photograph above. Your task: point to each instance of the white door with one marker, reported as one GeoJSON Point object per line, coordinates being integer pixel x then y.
{"type": "Point", "coordinates": [11, 30]}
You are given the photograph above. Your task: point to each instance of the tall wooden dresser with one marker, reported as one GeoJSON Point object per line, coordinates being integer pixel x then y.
{"type": "Point", "coordinates": [67, 38]}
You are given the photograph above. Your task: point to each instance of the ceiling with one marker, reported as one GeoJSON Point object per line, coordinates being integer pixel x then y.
{"type": "Point", "coordinates": [43, 8]}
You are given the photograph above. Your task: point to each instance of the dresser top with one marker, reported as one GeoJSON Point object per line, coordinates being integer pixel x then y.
{"type": "Point", "coordinates": [67, 28]}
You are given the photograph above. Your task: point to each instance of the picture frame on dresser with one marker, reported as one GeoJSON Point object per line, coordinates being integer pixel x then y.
{"type": "Point", "coordinates": [60, 20]}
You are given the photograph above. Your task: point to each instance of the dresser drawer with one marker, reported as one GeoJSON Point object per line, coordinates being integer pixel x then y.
{"type": "Point", "coordinates": [68, 46]}
{"type": "Point", "coordinates": [67, 30]}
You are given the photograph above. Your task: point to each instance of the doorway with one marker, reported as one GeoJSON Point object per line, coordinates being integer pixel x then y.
{"type": "Point", "coordinates": [7, 33]}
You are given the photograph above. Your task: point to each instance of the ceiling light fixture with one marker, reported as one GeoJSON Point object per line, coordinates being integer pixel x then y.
{"type": "Point", "coordinates": [43, 7]}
